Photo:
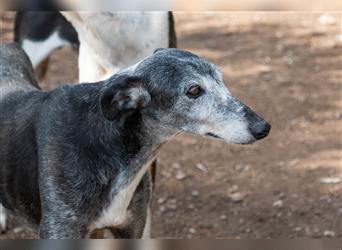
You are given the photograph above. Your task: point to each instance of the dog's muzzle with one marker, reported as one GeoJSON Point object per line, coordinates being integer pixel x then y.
{"type": "Point", "coordinates": [258, 127]}
{"type": "Point", "coordinates": [260, 130]}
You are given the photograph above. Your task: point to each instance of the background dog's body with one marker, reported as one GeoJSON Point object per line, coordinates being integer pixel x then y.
{"type": "Point", "coordinates": [40, 33]}
{"type": "Point", "coordinates": [109, 40]}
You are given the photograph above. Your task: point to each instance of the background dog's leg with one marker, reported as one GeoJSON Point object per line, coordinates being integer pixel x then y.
{"type": "Point", "coordinates": [42, 68]}
{"type": "Point", "coordinates": [89, 69]}
{"type": "Point", "coordinates": [148, 224]}
{"type": "Point", "coordinates": [3, 219]}
{"type": "Point", "coordinates": [147, 229]}
{"type": "Point", "coordinates": [97, 234]}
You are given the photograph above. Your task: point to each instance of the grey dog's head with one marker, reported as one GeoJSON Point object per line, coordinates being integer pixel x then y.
{"type": "Point", "coordinates": [183, 93]}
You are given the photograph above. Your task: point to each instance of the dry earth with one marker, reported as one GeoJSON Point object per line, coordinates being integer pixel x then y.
{"type": "Point", "coordinates": [287, 66]}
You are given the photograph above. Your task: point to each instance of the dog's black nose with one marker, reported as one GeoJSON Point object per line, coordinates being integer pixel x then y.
{"type": "Point", "coordinates": [260, 130]}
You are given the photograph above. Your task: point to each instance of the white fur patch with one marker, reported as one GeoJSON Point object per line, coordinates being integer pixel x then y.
{"type": "Point", "coordinates": [116, 213]}
{"type": "Point", "coordinates": [39, 51]}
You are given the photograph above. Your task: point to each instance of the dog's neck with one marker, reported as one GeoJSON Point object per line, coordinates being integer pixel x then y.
{"type": "Point", "coordinates": [135, 141]}
{"type": "Point", "coordinates": [151, 136]}
{"type": "Point", "coordinates": [148, 137]}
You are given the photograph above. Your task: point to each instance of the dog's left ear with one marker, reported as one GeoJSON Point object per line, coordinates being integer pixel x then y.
{"type": "Point", "coordinates": [124, 96]}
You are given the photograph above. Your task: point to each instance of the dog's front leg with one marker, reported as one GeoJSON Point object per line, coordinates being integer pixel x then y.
{"type": "Point", "coordinates": [59, 220]}
{"type": "Point", "coordinates": [59, 226]}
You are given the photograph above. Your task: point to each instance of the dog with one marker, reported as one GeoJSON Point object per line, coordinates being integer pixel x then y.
{"type": "Point", "coordinates": [40, 33]}
{"type": "Point", "coordinates": [73, 158]}
{"type": "Point", "coordinates": [109, 40]}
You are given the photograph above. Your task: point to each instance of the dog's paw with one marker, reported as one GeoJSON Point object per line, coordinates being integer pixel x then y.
{"type": "Point", "coordinates": [3, 219]}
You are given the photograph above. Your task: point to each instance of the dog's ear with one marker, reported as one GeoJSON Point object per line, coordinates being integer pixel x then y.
{"type": "Point", "coordinates": [123, 96]}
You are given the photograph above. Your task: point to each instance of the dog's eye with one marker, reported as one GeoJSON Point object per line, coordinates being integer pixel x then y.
{"type": "Point", "coordinates": [194, 91]}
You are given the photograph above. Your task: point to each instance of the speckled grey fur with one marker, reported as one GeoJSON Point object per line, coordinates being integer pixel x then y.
{"type": "Point", "coordinates": [68, 155]}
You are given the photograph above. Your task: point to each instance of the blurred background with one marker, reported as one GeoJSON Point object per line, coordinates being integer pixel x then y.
{"type": "Point", "coordinates": [288, 67]}
{"type": "Point", "coordinates": [180, 5]}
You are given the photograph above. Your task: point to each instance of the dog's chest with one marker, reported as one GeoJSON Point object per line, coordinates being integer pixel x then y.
{"type": "Point", "coordinates": [116, 213]}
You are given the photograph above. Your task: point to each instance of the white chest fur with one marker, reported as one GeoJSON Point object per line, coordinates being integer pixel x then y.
{"type": "Point", "coordinates": [116, 213]}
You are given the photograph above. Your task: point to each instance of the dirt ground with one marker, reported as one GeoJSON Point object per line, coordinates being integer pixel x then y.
{"type": "Point", "coordinates": [288, 67]}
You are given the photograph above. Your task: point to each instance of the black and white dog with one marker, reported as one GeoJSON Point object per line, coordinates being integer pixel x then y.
{"type": "Point", "coordinates": [71, 160]}
{"type": "Point", "coordinates": [40, 33]}
{"type": "Point", "coordinates": [107, 41]}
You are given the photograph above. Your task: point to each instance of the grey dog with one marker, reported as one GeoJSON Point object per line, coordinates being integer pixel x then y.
{"type": "Point", "coordinates": [72, 159]}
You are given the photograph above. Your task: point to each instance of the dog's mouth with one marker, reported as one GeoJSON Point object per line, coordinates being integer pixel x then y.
{"type": "Point", "coordinates": [213, 136]}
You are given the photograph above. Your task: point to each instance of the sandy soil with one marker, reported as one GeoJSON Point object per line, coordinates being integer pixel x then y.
{"type": "Point", "coordinates": [288, 68]}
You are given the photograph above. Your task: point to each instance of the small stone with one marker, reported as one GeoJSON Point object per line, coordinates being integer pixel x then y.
{"type": "Point", "coordinates": [192, 230]}
{"type": "Point", "coordinates": [237, 197]}
{"type": "Point", "coordinates": [18, 230]}
{"type": "Point", "coordinates": [328, 233]}
{"type": "Point", "coordinates": [173, 201]}
{"type": "Point", "coordinates": [247, 167]}
{"type": "Point", "coordinates": [161, 200]}
{"type": "Point", "coordinates": [238, 167]}
{"type": "Point", "coordinates": [191, 206]}
{"type": "Point", "coordinates": [161, 209]}
{"type": "Point", "coordinates": [233, 189]}
{"type": "Point", "coordinates": [340, 210]}
{"type": "Point", "coordinates": [223, 217]}
{"type": "Point", "coordinates": [330, 180]}
{"type": "Point", "coordinates": [195, 193]}
{"type": "Point", "coordinates": [172, 206]}
{"type": "Point", "coordinates": [279, 47]}
{"type": "Point", "coordinates": [242, 167]}
{"type": "Point", "coordinates": [278, 203]}
{"type": "Point", "coordinates": [297, 229]}
{"type": "Point", "coordinates": [326, 198]}
{"type": "Point", "coordinates": [281, 195]}
{"type": "Point", "coordinates": [338, 115]}
{"type": "Point", "coordinates": [201, 167]}
{"type": "Point", "coordinates": [327, 19]}
{"type": "Point", "coordinates": [166, 174]}
{"type": "Point", "coordinates": [180, 175]}
{"type": "Point", "coordinates": [289, 60]}
{"type": "Point", "coordinates": [267, 60]}
{"type": "Point", "coordinates": [176, 165]}
{"type": "Point", "coordinates": [339, 38]}
{"type": "Point", "coordinates": [265, 69]}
